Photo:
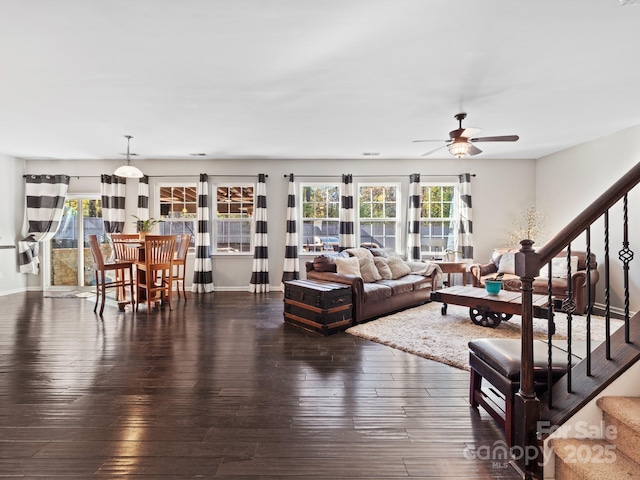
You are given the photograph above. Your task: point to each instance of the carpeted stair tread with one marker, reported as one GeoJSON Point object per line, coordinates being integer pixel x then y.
{"type": "Point", "coordinates": [598, 465]}
{"type": "Point", "coordinates": [623, 415]}
{"type": "Point", "coordinates": [625, 409]}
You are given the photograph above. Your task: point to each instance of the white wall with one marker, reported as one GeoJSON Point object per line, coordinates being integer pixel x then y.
{"type": "Point", "coordinates": [568, 181]}
{"type": "Point", "coordinates": [12, 195]}
{"type": "Point", "coordinates": [500, 190]}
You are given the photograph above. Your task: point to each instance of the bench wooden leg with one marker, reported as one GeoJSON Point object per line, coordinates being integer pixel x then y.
{"type": "Point", "coordinates": [475, 382]}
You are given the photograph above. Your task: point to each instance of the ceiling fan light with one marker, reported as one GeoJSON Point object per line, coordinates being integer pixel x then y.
{"type": "Point", "coordinates": [127, 170]}
{"type": "Point", "coordinates": [459, 149]}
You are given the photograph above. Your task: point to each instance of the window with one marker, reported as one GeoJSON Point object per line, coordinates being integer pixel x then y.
{"type": "Point", "coordinates": [438, 219]}
{"type": "Point", "coordinates": [378, 208]}
{"type": "Point", "coordinates": [178, 205]}
{"type": "Point", "coordinates": [320, 217]}
{"type": "Point", "coordinates": [234, 219]}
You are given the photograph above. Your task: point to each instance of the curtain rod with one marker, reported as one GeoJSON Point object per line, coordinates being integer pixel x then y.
{"type": "Point", "coordinates": [151, 176]}
{"type": "Point", "coordinates": [378, 176]}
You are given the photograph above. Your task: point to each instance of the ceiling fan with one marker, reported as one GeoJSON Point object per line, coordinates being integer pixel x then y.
{"type": "Point", "coordinates": [461, 140]}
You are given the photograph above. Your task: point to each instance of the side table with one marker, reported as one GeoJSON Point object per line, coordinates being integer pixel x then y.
{"type": "Point", "coordinates": [453, 267]}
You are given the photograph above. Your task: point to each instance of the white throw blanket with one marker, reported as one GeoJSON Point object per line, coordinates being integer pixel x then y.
{"type": "Point", "coordinates": [425, 269]}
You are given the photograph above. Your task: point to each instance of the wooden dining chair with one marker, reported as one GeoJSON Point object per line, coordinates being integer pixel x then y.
{"type": "Point", "coordinates": [118, 268]}
{"type": "Point", "coordinates": [125, 246]}
{"type": "Point", "coordinates": [154, 275]}
{"type": "Point", "coordinates": [180, 263]}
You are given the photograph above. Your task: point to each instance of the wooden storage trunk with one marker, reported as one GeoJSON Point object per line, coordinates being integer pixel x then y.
{"type": "Point", "coordinates": [321, 307]}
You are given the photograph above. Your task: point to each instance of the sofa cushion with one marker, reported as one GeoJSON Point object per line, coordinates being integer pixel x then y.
{"type": "Point", "coordinates": [400, 285]}
{"type": "Point", "coordinates": [325, 263]}
{"type": "Point", "coordinates": [359, 252]}
{"type": "Point", "coordinates": [348, 266]}
{"type": "Point", "coordinates": [559, 267]}
{"type": "Point", "coordinates": [368, 270]}
{"type": "Point", "coordinates": [398, 267]}
{"type": "Point", "coordinates": [498, 252]}
{"type": "Point", "coordinates": [375, 291]}
{"type": "Point", "coordinates": [382, 264]}
{"type": "Point", "coordinates": [507, 263]}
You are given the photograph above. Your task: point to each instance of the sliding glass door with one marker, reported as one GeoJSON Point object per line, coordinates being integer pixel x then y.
{"type": "Point", "coordinates": [70, 265]}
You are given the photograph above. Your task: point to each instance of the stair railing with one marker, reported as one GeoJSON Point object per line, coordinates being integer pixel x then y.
{"type": "Point", "coordinates": [527, 450]}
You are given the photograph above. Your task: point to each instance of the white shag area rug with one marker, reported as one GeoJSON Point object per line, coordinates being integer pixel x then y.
{"type": "Point", "coordinates": [424, 331]}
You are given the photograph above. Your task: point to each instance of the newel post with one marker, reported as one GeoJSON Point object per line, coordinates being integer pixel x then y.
{"type": "Point", "coordinates": [526, 452]}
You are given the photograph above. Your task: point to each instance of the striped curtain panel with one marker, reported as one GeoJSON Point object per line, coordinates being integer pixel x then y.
{"type": "Point", "coordinates": [260, 273]}
{"type": "Point", "coordinates": [291, 270]}
{"type": "Point", "coordinates": [465, 226]}
{"type": "Point", "coordinates": [347, 214]}
{"type": "Point", "coordinates": [202, 269]}
{"type": "Point", "coordinates": [45, 196]}
{"type": "Point", "coordinates": [413, 219]}
{"type": "Point", "coordinates": [112, 193]}
{"type": "Point", "coordinates": [143, 198]}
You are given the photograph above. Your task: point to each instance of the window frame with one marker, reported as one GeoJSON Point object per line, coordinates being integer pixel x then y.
{"type": "Point", "coordinates": [301, 239]}
{"type": "Point", "coordinates": [454, 219]}
{"type": "Point", "coordinates": [158, 207]}
{"type": "Point", "coordinates": [215, 221]}
{"type": "Point", "coordinates": [397, 220]}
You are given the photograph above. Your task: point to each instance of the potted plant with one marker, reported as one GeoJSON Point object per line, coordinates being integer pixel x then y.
{"type": "Point", "coordinates": [145, 226]}
{"type": "Point", "coordinates": [494, 285]}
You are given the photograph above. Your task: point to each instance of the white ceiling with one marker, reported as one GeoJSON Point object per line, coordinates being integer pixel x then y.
{"type": "Point", "coordinates": [312, 78]}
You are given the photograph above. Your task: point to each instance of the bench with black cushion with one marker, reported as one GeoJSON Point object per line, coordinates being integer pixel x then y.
{"type": "Point", "coordinates": [497, 361]}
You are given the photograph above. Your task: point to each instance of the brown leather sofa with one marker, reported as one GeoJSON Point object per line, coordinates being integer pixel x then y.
{"type": "Point", "coordinates": [511, 282]}
{"type": "Point", "coordinates": [373, 299]}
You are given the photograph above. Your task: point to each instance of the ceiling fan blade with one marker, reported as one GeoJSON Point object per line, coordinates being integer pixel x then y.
{"type": "Point", "coordinates": [473, 150]}
{"type": "Point", "coordinates": [502, 138]}
{"type": "Point", "coordinates": [433, 151]}
{"type": "Point", "coordinates": [464, 132]}
{"type": "Point", "coordinates": [418, 141]}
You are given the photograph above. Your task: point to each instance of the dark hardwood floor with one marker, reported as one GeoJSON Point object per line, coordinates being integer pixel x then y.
{"type": "Point", "coordinates": [221, 388]}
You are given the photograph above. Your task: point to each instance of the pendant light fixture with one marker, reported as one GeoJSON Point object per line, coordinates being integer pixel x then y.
{"type": "Point", "coordinates": [127, 170]}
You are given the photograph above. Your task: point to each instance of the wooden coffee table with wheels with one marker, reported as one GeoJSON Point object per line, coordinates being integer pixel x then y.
{"type": "Point", "coordinates": [488, 310]}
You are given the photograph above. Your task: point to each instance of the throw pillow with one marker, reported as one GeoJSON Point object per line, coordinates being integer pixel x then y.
{"type": "Point", "coordinates": [324, 263]}
{"type": "Point", "coordinates": [359, 252]}
{"type": "Point", "coordinates": [559, 267]}
{"type": "Point", "coordinates": [382, 264]}
{"type": "Point", "coordinates": [348, 266]}
{"type": "Point", "coordinates": [507, 263]}
{"type": "Point", "coordinates": [368, 270]}
{"type": "Point", "coordinates": [398, 267]}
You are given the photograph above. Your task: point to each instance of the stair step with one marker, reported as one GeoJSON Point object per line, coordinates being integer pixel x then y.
{"type": "Point", "coordinates": [588, 459]}
{"type": "Point", "coordinates": [623, 413]}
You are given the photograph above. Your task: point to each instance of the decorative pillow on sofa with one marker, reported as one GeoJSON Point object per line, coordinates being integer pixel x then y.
{"type": "Point", "coordinates": [368, 270]}
{"type": "Point", "coordinates": [348, 266]}
{"type": "Point", "coordinates": [559, 267]}
{"type": "Point", "coordinates": [382, 264]}
{"type": "Point", "coordinates": [359, 252]}
{"type": "Point", "coordinates": [327, 261]}
{"type": "Point", "coordinates": [398, 267]}
{"type": "Point", "coordinates": [507, 263]}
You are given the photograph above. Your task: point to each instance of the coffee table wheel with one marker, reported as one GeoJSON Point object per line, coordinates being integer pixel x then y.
{"type": "Point", "coordinates": [485, 318]}
{"type": "Point", "coordinates": [506, 316]}
{"type": "Point", "coordinates": [443, 309]}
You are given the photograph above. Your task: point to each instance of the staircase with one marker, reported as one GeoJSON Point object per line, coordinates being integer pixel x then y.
{"type": "Point", "coordinates": [615, 456]}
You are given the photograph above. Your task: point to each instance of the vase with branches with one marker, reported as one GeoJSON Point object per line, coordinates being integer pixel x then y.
{"type": "Point", "coordinates": [530, 224]}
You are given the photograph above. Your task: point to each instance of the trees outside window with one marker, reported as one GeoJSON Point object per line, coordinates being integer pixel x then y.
{"type": "Point", "coordinates": [378, 215]}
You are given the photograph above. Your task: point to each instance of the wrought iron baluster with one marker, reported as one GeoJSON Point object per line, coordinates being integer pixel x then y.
{"type": "Point", "coordinates": [550, 331]}
{"type": "Point", "coordinates": [569, 306]}
{"type": "Point", "coordinates": [607, 292]}
{"type": "Point", "coordinates": [588, 272]}
{"type": "Point", "coordinates": [626, 255]}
